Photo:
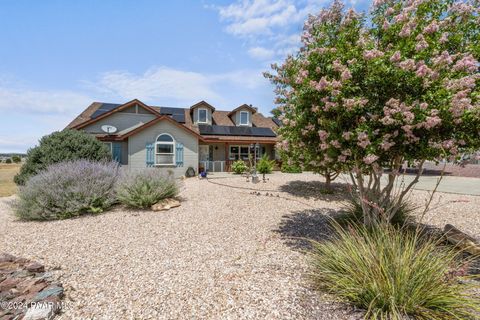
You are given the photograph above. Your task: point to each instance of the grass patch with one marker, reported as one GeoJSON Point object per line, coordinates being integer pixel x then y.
{"type": "Point", "coordinates": [7, 172]}
{"type": "Point", "coordinates": [393, 275]}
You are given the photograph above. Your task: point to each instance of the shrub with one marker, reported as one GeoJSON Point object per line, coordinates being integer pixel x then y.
{"type": "Point", "coordinates": [16, 159]}
{"type": "Point", "coordinates": [66, 145]}
{"type": "Point", "coordinates": [144, 188]}
{"type": "Point", "coordinates": [290, 168]}
{"type": "Point", "coordinates": [68, 189]}
{"type": "Point", "coordinates": [239, 167]}
{"type": "Point", "coordinates": [265, 165]}
{"type": "Point", "coordinates": [354, 212]}
{"type": "Point", "coordinates": [8, 160]}
{"type": "Point", "coordinates": [392, 275]}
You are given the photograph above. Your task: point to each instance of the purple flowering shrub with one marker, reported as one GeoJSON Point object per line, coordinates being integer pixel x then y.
{"type": "Point", "coordinates": [143, 188]}
{"type": "Point", "coordinates": [363, 94]}
{"type": "Point", "coordinates": [68, 189]}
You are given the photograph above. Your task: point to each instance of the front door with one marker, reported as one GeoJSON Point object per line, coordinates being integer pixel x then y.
{"type": "Point", "coordinates": [204, 152]}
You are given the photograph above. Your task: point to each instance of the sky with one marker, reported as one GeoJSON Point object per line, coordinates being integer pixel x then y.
{"type": "Point", "coordinates": [58, 57]}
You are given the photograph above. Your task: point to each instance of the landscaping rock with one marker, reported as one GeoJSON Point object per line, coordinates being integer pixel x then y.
{"type": "Point", "coordinates": [461, 240]}
{"type": "Point", "coordinates": [166, 204]}
{"type": "Point", "coordinates": [24, 283]}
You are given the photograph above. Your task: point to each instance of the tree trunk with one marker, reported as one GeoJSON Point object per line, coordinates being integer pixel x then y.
{"type": "Point", "coordinates": [328, 182]}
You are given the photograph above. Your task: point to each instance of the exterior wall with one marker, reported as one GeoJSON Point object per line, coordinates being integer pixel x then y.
{"type": "Point", "coordinates": [236, 117]}
{"type": "Point", "coordinates": [209, 115]}
{"type": "Point", "coordinates": [218, 151]}
{"type": "Point", "coordinates": [124, 153]}
{"type": "Point", "coordinates": [137, 152]}
{"type": "Point", "coordinates": [120, 120]}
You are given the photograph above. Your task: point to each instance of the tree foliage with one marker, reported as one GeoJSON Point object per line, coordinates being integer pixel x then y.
{"type": "Point", "coordinates": [404, 87]}
{"type": "Point", "coordinates": [66, 145]}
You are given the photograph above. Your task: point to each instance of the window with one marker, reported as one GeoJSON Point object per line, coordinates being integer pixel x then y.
{"type": "Point", "coordinates": [244, 152]}
{"type": "Point", "coordinates": [165, 150]}
{"type": "Point", "coordinates": [202, 116]}
{"type": "Point", "coordinates": [244, 115]}
{"type": "Point", "coordinates": [234, 153]}
{"type": "Point", "coordinates": [241, 152]}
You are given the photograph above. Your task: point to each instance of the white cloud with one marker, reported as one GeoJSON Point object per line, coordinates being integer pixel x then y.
{"type": "Point", "coordinates": [174, 86]}
{"type": "Point", "coordinates": [43, 102]}
{"type": "Point", "coordinates": [261, 53]}
{"type": "Point", "coordinates": [275, 24]}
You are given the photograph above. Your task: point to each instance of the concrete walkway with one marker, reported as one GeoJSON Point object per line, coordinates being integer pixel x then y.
{"type": "Point", "coordinates": [449, 184]}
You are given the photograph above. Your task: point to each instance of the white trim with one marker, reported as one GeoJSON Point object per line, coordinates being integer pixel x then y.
{"type": "Point", "coordinates": [161, 153]}
{"type": "Point", "coordinates": [240, 118]}
{"type": "Point", "coordinates": [198, 115]}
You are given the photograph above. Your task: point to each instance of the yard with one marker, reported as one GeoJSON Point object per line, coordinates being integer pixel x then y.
{"type": "Point", "coordinates": [7, 172]}
{"type": "Point", "coordinates": [232, 250]}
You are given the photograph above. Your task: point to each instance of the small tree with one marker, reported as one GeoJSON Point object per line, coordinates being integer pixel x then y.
{"type": "Point", "coordinates": [360, 97]}
{"type": "Point", "coordinates": [8, 160]}
{"type": "Point", "coordinates": [66, 145]}
{"type": "Point", "coordinates": [16, 159]}
{"type": "Point", "coordinates": [265, 166]}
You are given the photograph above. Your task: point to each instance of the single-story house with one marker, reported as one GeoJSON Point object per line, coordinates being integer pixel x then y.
{"type": "Point", "coordinates": [199, 136]}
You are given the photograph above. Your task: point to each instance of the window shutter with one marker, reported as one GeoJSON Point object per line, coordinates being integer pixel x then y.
{"type": "Point", "coordinates": [117, 151]}
{"type": "Point", "coordinates": [150, 155]}
{"type": "Point", "coordinates": [179, 155]}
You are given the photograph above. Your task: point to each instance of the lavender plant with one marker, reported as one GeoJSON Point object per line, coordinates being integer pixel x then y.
{"type": "Point", "coordinates": [143, 188]}
{"type": "Point", "coordinates": [68, 189]}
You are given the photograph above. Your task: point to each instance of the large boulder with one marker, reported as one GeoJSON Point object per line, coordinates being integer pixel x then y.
{"type": "Point", "coordinates": [462, 240]}
{"type": "Point", "coordinates": [166, 204]}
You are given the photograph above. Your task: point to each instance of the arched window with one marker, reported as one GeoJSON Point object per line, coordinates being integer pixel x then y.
{"type": "Point", "coordinates": [165, 150]}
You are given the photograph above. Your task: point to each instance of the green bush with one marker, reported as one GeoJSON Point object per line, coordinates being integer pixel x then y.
{"type": "Point", "coordinates": [264, 165]}
{"type": "Point", "coordinates": [286, 168]}
{"type": "Point", "coordinates": [353, 212]}
{"type": "Point", "coordinates": [239, 167]}
{"type": "Point", "coordinates": [68, 189]}
{"type": "Point", "coordinates": [16, 159]}
{"type": "Point", "coordinates": [8, 160]}
{"type": "Point", "coordinates": [66, 145]}
{"type": "Point", "coordinates": [392, 274]}
{"type": "Point", "coordinates": [144, 188]}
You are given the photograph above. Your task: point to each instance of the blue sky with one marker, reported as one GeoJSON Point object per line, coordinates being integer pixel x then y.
{"type": "Point", "coordinates": [59, 56]}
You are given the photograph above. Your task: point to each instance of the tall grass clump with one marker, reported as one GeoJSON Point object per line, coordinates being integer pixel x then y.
{"type": "Point", "coordinates": [392, 274]}
{"type": "Point", "coordinates": [68, 189]}
{"type": "Point", "coordinates": [143, 188]}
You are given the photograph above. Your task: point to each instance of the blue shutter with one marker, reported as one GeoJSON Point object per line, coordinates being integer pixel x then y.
{"type": "Point", "coordinates": [179, 155]}
{"type": "Point", "coordinates": [117, 151]}
{"type": "Point", "coordinates": [150, 156]}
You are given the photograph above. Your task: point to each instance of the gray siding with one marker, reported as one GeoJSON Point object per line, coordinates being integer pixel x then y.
{"type": "Point", "coordinates": [120, 120]}
{"type": "Point", "coordinates": [209, 115]}
{"type": "Point", "coordinates": [137, 153]}
{"type": "Point", "coordinates": [124, 153]}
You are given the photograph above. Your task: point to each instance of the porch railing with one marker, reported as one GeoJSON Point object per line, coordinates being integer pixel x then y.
{"type": "Point", "coordinates": [226, 165]}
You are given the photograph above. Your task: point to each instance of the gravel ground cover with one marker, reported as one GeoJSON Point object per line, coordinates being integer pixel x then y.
{"type": "Point", "coordinates": [233, 250]}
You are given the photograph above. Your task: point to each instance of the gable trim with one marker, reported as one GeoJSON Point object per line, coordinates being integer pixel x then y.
{"type": "Point", "coordinates": [246, 106]}
{"type": "Point", "coordinates": [202, 103]}
{"type": "Point", "coordinates": [117, 109]}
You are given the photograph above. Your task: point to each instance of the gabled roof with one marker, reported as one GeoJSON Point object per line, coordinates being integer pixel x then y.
{"type": "Point", "coordinates": [114, 110]}
{"type": "Point", "coordinates": [202, 104]}
{"type": "Point", "coordinates": [243, 106]}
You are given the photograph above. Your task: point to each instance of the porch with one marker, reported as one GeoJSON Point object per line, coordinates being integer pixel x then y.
{"type": "Point", "coordinates": [219, 157]}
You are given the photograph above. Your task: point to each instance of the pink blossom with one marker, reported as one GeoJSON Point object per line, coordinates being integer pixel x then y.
{"type": "Point", "coordinates": [342, 158]}
{"type": "Point", "coordinates": [467, 63]}
{"type": "Point", "coordinates": [406, 31]}
{"type": "Point", "coordinates": [323, 135]}
{"type": "Point", "coordinates": [335, 143]}
{"type": "Point", "coordinates": [423, 70]}
{"type": "Point", "coordinates": [315, 109]}
{"type": "Point", "coordinates": [337, 66]}
{"type": "Point", "coordinates": [443, 38]}
{"type": "Point", "coordinates": [431, 122]}
{"type": "Point", "coordinates": [322, 84]}
{"type": "Point", "coordinates": [421, 44]}
{"type": "Point", "coordinates": [407, 65]}
{"type": "Point", "coordinates": [389, 11]}
{"type": "Point", "coordinates": [432, 27]}
{"type": "Point", "coordinates": [385, 25]}
{"type": "Point", "coordinates": [443, 59]}
{"type": "Point", "coordinates": [372, 54]}
{"type": "Point", "coordinates": [423, 106]}
{"type": "Point", "coordinates": [371, 158]}
{"type": "Point", "coordinates": [396, 57]}
{"type": "Point", "coordinates": [386, 145]}
{"type": "Point", "coordinates": [347, 135]}
{"type": "Point", "coordinates": [323, 146]}
{"type": "Point", "coordinates": [346, 75]}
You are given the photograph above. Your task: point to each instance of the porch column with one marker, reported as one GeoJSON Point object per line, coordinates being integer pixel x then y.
{"type": "Point", "coordinates": [227, 165]}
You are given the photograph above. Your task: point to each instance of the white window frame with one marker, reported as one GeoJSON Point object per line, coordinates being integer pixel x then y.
{"type": "Point", "coordinates": [240, 118]}
{"type": "Point", "coordinates": [162, 153]}
{"type": "Point", "coordinates": [206, 115]}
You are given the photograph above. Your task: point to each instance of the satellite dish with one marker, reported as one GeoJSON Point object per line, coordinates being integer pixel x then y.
{"type": "Point", "coordinates": [109, 129]}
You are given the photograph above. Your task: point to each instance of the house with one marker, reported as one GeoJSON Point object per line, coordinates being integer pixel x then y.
{"type": "Point", "coordinates": [200, 136]}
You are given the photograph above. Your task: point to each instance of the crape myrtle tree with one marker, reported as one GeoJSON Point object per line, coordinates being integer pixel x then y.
{"type": "Point", "coordinates": [365, 94]}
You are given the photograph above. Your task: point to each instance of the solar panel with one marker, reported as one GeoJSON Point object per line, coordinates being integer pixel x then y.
{"type": "Point", "coordinates": [104, 107]}
{"type": "Point", "coordinates": [277, 121]}
{"type": "Point", "coordinates": [179, 117]}
{"type": "Point", "coordinates": [170, 110]}
{"type": "Point", "coordinates": [236, 131]}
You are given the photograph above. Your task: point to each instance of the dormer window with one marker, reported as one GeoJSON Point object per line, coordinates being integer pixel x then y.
{"type": "Point", "coordinates": [244, 118]}
{"type": "Point", "coordinates": [202, 115]}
